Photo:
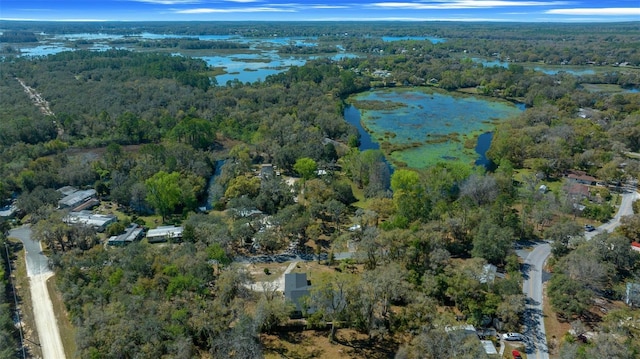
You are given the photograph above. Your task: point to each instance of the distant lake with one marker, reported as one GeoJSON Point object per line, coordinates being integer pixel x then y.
{"type": "Point", "coordinates": [547, 69]}
{"type": "Point", "coordinates": [424, 127]}
{"type": "Point", "coordinates": [251, 67]}
{"type": "Point", "coordinates": [262, 61]}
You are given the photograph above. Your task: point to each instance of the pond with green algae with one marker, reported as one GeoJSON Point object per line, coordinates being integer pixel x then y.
{"type": "Point", "coordinates": [421, 127]}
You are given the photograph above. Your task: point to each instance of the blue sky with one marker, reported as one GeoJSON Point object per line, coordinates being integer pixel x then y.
{"type": "Point", "coordinates": [323, 10]}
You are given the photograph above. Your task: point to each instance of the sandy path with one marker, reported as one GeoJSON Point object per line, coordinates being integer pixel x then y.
{"type": "Point", "coordinates": [277, 284]}
{"type": "Point", "coordinates": [48, 332]}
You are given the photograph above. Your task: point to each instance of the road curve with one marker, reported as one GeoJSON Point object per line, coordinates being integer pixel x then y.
{"type": "Point", "coordinates": [625, 209]}
{"type": "Point", "coordinates": [38, 272]}
{"type": "Point", "coordinates": [536, 344]}
{"type": "Point", "coordinates": [532, 287]}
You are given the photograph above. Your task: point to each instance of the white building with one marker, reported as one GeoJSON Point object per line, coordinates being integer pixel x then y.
{"type": "Point", "coordinates": [94, 220]}
{"type": "Point", "coordinates": [164, 233]}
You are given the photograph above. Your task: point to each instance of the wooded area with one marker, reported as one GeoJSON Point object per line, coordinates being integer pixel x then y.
{"type": "Point", "coordinates": [146, 129]}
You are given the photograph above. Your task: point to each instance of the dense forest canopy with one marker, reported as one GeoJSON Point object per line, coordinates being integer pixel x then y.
{"type": "Point", "coordinates": [146, 130]}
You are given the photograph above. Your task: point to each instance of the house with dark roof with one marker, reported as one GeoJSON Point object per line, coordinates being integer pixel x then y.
{"type": "Point", "coordinates": [266, 171]}
{"type": "Point", "coordinates": [76, 199]}
{"type": "Point", "coordinates": [132, 233]}
{"type": "Point", "coordinates": [296, 288]}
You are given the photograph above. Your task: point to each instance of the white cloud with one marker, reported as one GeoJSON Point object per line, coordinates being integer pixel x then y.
{"type": "Point", "coordinates": [612, 11]}
{"type": "Point", "coordinates": [462, 4]}
{"type": "Point", "coordinates": [467, 19]}
{"type": "Point", "coordinates": [232, 10]}
{"type": "Point", "coordinates": [243, 1]}
{"type": "Point", "coordinates": [328, 7]}
{"type": "Point", "coordinates": [170, 2]}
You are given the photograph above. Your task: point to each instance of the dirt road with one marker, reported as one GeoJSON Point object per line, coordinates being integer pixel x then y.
{"type": "Point", "coordinates": [38, 272]}
{"type": "Point", "coordinates": [48, 332]}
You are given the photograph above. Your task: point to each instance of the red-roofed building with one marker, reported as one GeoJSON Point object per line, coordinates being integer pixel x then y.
{"type": "Point", "coordinates": [578, 191]}
{"type": "Point", "coordinates": [582, 178]}
{"type": "Point", "coordinates": [635, 246]}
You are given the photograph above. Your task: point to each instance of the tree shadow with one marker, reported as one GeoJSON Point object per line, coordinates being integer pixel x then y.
{"type": "Point", "coordinates": [364, 347]}
{"type": "Point", "coordinates": [525, 268]}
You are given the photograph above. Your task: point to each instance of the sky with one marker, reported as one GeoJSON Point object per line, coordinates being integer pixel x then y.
{"type": "Point", "coordinates": [322, 10]}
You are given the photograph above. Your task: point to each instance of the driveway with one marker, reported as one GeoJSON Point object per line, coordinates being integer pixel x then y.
{"type": "Point", "coordinates": [38, 272]}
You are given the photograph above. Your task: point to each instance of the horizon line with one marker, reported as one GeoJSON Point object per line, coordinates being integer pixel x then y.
{"type": "Point", "coordinates": [484, 20]}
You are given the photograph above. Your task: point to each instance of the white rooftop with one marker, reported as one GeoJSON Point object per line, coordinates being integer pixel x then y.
{"type": "Point", "coordinates": [89, 219]}
{"type": "Point", "coordinates": [165, 231]}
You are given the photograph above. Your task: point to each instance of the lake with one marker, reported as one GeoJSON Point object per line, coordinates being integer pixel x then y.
{"type": "Point", "coordinates": [262, 61]}
{"type": "Point", "coordinates": [421, 127]}
{"type": "Point", "coordinates": [547, 69]}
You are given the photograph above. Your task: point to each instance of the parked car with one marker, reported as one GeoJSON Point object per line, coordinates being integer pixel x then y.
{"type": "Point", "coordinates": [589, 228]}
{"type": "Point", "coordinates": [516, 354]}
{"type": "Point", "coordinates": [512, 336]}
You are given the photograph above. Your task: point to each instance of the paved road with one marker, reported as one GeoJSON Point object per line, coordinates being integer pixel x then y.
{"type": "Point", "coordinates": [536, 344]}
{"type": "Point", "coordinates": [625, 209]}
{"type": "Point", "coordinates": [38, 271]}
{"type": "Point", "coordinates": [534, 276]}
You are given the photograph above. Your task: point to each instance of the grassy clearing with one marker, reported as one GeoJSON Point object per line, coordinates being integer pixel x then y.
{"type": "Point", "coordinates": [67, 330]}
{"type": "Point", "coordinates": [257, 271]}
{"type": "Point", "coordinates": [509, 347]}
{"type": "Point", "coordinates": [23, 292]}
{"type": "Point", "coordinates": [313, 269]}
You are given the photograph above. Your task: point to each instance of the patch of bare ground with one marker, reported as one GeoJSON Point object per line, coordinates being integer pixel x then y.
{"type": "Point", "coordinates": [553, 325]}
{"type": "Point", "coordinates": [298, 343]}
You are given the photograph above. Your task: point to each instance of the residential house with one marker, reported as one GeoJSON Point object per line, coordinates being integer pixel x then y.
{"type": "Point", "coordinates": [266, 171]}
{"type": "Point", "coordinates": [466, 334]}
{"type": "Point", "coordinates": [632, 294]}
{"type": "Point", "coordinates": [89, 219]}
{"type": "Point", "coordinates": [76, 200]}
{"type": "Point", "coordinates": [578, 191]}
{"type": "Point", "coordinates": [164, 233]}
{"type": "Point", "coordinates": [132, 233]}
{"type": "Point", "coordinates": [296, 288]}
{"type": "Point", "coordinates": [582, 178]}
{"type": "Point", "coordinates": [635, 246]}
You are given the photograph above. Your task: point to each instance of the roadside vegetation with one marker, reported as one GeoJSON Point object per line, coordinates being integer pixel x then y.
{"type": "Point", "coordinates": [147, 130]}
